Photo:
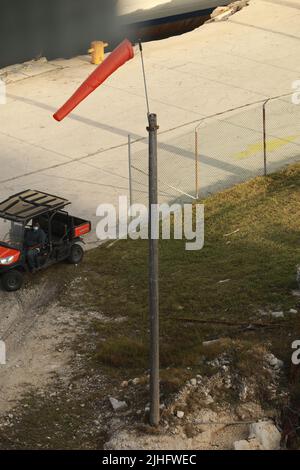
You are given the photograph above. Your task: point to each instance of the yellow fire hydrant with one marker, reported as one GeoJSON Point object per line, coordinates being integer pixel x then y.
{"type": "Point", "coordinates": [97, 51]}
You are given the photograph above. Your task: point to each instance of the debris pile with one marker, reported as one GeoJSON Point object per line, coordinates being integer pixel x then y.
{"type": "Point", "coordinates": [223, 13]}
{"type": "Point", "coordinates": [263, 435]}
{"type": "Point", "coordinates": [225, 409]}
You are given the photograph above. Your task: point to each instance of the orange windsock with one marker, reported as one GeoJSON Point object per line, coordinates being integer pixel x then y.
{"type": "Point", "coordinates": [116, 59]}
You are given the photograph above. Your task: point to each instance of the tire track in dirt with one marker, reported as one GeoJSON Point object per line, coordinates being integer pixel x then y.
{"type": "Point", "coordinates": [30, 327]}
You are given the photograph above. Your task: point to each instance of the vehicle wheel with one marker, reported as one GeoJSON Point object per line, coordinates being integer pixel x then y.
{"type": "Point", "coordinates": [12, 280]}
{"type": "Point", "coordinates": [76, 254]}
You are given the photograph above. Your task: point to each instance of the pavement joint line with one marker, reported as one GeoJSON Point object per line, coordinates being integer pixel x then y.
{"type": "Point", "coordinates": [94, 183]}
{"type": "Point", "coordinates": [76, 117]}
{"type": "Point", "coordinates": [289, 4]}
{"type": "Point", "coordinates": [76, 160]}
{"type": "Point", "coordinates": [154, 100]}
{"type": "Point", "coordinates": [239, 56]}
{"type": "Point", "coordinates": [220, 82]}
{"type": "Point", "coordinates": [26, 142]}
{"type": "Point", "coordinates": [292, 36]}
{"type": "Point", "coordinates": [262, 63]}
{"type": "Point", "coordinates": [70, 159]}
{"type": "Point", "coordinates": [237, 108]}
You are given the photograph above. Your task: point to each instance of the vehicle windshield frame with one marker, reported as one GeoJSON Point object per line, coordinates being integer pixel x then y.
{"type": "Point", "coordinates": [16, 245]}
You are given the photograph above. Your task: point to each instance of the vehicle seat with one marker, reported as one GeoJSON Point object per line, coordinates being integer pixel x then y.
{"type": "Point", "coordinates": [59, 231]}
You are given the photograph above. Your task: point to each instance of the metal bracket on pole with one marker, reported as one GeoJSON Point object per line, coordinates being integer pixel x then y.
{"type": "Point", "coordinates": [153, 273]}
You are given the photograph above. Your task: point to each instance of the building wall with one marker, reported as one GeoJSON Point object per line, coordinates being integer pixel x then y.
{"type": "Point", "coordinates": [53, 28]}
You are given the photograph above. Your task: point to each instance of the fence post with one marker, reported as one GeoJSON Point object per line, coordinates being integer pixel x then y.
{"type": "Point", "coordinates": [130, 171]}
{"type": "Point", "coordinates": [196, 166]}
{"type": "Point", "coordinates": [265, 137]}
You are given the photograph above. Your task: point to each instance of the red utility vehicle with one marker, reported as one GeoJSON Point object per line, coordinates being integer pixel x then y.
{"type": "Point", "coordinates": [63, 233]}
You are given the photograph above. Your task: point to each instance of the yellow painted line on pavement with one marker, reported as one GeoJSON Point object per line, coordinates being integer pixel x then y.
{"type": "Point", "coordinates": [271, 145]}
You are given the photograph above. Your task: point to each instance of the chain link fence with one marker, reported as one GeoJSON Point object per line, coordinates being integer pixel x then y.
{"type": "Point", "coordinates": [230, 148]}
{"type": "Point", "coordinates": [282, 132]}
{"type": "Point", "coordinates": [219, 151]}
{"type": "Point", "coordinates": [177, 172]}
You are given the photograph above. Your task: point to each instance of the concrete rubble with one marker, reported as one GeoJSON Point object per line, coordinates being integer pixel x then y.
{"type": "Point", "coordinates": [293, 310]}
{"type": "Point", "coordinates": [223, 13]}
{"type": "Point", "coordinates": [277, 314]}
{"type": "Point", "coordinates": [266, 434]}
{"type": "Point", "coordinates": [117, 405]}
{"type": "Point", "coordinates": [200, 416]}
{"type": "Point", "coordinates": [32, 68]}
{"type": "Point", "coordinates": [263, 435]}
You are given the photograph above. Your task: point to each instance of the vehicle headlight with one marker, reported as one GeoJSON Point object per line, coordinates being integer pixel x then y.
{"type": "Point", "coordinates": [7, 260]}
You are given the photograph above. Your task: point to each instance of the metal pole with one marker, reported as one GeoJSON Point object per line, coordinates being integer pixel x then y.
{"type": "Point", "coordinates": [153, 274]}
{"type": "Point", "coordinates": [130, 170]}
{"type": "Point", "coordinates": [196, 165]}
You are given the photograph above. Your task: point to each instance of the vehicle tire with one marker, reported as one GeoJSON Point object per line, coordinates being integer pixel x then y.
{"type": "Point", "coordinates": [12, 280]}
{"type": "Point", "coordinates": [76, 254]}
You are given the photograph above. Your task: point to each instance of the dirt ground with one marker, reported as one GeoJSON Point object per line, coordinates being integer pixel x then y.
{"type": "Point", "coordinates": [46, 399]}
{"type": "Point", "coordinates": [33, 327]}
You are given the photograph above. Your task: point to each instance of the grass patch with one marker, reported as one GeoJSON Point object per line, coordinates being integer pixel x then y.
{"type": "Point", "coordinates": [259, 260]}
{"type": "Point", "coordinates": [123, 352]}
{"type": "Point", "coordinates": [61, 422]}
